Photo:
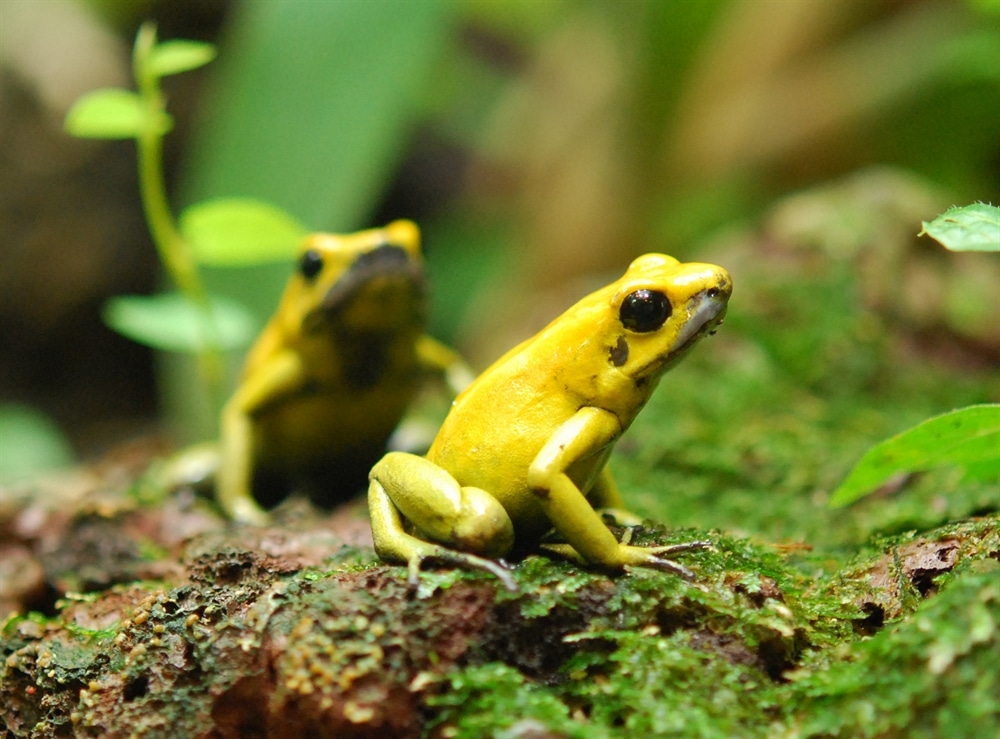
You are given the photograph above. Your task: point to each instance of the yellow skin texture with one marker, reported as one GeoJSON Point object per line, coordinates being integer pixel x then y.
{"type": "Point", "coordinates": [524, 447]}
{"type": "Point", "coordinates": [333, 371]}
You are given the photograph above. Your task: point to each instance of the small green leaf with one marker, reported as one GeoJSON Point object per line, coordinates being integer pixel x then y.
{"type": "Point", "coordinates": [31, 443]}
{"type": "Point", "coordinates": [111, 113]}
{"type": "Point", "coordinates": [968, 437]}
{"type": "Point", "coordinates": [179, 55]}
{"type": "Point", "coordinates": [970, 228]}
{"type": "Point", "coordinates": [171, 322]}
{"type": "Point", "coordinates": [231, 232]}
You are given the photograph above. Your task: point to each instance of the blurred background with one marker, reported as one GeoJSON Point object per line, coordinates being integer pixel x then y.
{"type": "Point", "coordinates": [541, 145]}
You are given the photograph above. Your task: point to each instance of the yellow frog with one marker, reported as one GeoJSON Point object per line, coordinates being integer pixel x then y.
{"type": "Point", "coordinates": [524, 447]}
{"type": "Point", "coordinates": [331, 374]}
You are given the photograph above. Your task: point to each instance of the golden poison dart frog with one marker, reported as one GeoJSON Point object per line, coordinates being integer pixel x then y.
{"type": "Point", "coordinates": [524, 447]}
{"type": "Point", "coordinates": [331, 374]}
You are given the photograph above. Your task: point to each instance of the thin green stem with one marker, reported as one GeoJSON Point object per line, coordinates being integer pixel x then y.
{"type": "Point", "coordinates": [170, 244]}
{"type": "Point", "coordinates": [174, 251]}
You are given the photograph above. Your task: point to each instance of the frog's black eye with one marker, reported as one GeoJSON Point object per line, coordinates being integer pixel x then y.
{"type": "Point", "coordinates": [644, 310]}
{"type": "Point", "coordinates": [311, 264]}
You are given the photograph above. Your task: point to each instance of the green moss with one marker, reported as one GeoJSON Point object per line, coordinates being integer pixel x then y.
{"type": "Point", "coordinates": [545, 587]}
{"type": "Point", "coordinates": [754, 649]}
{"type": "Point", "coordinates": [654, 685]}
{"type": "Point", "coordinates": [496, 700]}
{"type": "Point", "coordinates": [933, 675]}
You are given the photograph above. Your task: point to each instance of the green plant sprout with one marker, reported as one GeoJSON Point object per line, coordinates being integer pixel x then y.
{"type": "Point", "coordinates": [966, 437]}
{"type": "Point", "coordinates": [221, 232]}
{"type": "Point", "coordinates": [973, 227]}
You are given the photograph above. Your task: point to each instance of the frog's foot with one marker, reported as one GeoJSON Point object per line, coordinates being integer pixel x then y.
{"type": "Point", "coordinates": [246, 511]}
{"type": "Point", "coordinates": [408, 493]}
{"type": "Point", "coordinates": [192, 467]}
{"type": "Point", "coordinates": [651, 557]}
{"type": "Point", "coordinates": [638, 556]}
{"type": "Point", "coordinates": [423, 551]}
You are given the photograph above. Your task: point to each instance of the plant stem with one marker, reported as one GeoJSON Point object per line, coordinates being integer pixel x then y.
{"type": "Point", "coordinates": [174, 251]}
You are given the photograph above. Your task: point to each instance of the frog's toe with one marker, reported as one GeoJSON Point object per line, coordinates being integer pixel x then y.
{"type": "Point", "coordinates": [413, 576]}
{"type": "Point", "coordinates": [652, 557]}
{"type": "Point", "coordinates": [499, 571]}
{"type": "Point", "coordinates": [686, 546]}
{"type": "Point", "coordinates": [461, 559]}
{"type": "Point", "coordinates": [668, 565]}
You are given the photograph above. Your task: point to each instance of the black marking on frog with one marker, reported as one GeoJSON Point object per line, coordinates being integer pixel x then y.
{"type": "Point", "coordinates": [619, 352]}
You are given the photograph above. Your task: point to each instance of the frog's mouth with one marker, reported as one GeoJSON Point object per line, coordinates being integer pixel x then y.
{"type": "Point", "coordinates": [706, 312]}
{"type": "Point", "coordinates": [383, 287]}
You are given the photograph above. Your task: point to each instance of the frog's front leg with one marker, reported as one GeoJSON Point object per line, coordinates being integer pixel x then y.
{"type": "Point", "coordinates": [445, 361]}
{"type": "Point", "coordinates": [587, 433]}
{"type": "Point", "coordinates": [460, 522]}
{"type": "Point", "coordinates": [279, 376]}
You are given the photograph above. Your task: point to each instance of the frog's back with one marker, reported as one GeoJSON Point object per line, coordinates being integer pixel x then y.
{"type": "Point", "coordinates": [497, 427]}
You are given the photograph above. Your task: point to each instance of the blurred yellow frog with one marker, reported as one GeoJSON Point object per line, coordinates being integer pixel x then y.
{"type": "Point", "coordinates": [524, 447]}
{"type": "Point", "coordinates": [331, 375]}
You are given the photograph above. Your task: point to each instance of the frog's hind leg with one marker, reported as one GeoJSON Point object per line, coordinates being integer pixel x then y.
{"type": "Point", "coordinates": [407, 487]}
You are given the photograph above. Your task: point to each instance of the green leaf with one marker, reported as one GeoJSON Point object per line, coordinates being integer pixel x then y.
{"type": "Point", "coordinates": [230, 232]}
{"type": "Point", "coordinates": [31, 443]}
{"type": "Point", "coordinates": [968, 437]}
{"type": "Point", "coordinates": [179, 55]}
{"type": "Point", "coordinates": [986, 6]}
{"type": "Point", "coordinates": [985, 471]}
{"type": "Point", "coordinates": [111, 113]}
{"type": "Point", "coordinates": [171, 322]}
{"type": "Point", "coordinates": [293, 122]}
{"type": "Point", "coordinates": [970, 228]}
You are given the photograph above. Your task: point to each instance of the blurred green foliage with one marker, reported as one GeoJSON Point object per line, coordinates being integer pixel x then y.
{"type": "Point", "coordinates": [29, 443]}
{"type": "Point", "coordinates": [313, 103]}
{"type": "Point", "coordinates": [587, 132]}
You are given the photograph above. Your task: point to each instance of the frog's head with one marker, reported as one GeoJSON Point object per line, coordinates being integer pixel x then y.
{"type": "Point", "coordinates": [364, 282]}
{"type": "Point", "coordinates": [659, 309]}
